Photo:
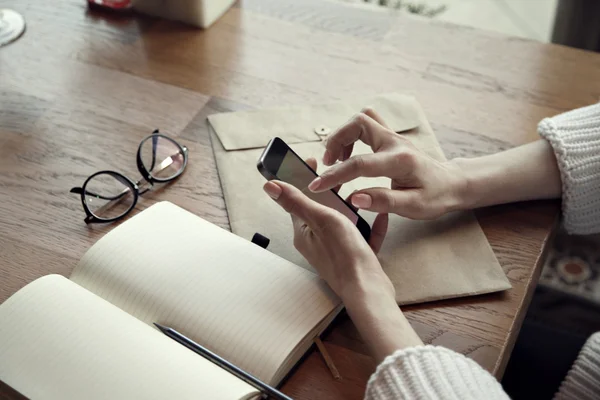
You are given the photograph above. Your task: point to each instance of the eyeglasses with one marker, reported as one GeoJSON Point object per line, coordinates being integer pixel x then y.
{"type": "Point", "coordinates": [107, 196]}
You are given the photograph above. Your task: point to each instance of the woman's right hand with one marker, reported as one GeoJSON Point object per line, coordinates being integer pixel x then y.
{"type": "Point", "coordinates": [421, 187]}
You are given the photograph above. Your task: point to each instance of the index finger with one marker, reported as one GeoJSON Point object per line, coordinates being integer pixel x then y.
{"type": "Point", "coordinates": [361, 127]}
{"type": "Point", "coordinates": [368, 165]}
{"type": "Point", "coordinates": [375, 115]}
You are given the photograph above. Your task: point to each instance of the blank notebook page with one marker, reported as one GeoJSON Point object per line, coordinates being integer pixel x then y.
{"type": "Point", "coordinates": [246, 304]}
{"type": "Point", "coordinates": [59, 341]}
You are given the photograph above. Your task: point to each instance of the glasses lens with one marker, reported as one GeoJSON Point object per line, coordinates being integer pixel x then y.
{"type": "Point", "coordinates": [108, 196]}
{"type": "Point", "coordinates": [162, 157]}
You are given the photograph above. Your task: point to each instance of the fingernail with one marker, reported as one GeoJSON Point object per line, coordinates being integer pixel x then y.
{"type": "Point", "coordinates": [326, 158]}
{"type": "Point", "coordinates": [361, 200]}
{"type": "Point", "coordinates": [273, 190]}
{"type": "Point", "coordinates": [314, 185]}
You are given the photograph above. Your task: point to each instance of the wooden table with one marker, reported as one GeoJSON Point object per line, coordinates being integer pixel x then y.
{"type": "Point", "coordinates": [80, 90]}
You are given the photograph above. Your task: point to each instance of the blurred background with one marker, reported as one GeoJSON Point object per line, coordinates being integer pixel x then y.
{"type": "Point", "coordinates": [569, 22]}
{"type": "Point", "coordinates": [530, 19]}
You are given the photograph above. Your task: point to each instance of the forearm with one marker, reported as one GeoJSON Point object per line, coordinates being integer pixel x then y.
{"type": "Point", "coordinates": [526, 172]}
{"type": "Point", "coordinates": [381, 323]}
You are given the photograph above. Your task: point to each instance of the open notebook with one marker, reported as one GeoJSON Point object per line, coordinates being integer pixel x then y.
{"type": "Point", "coordinates": [92, 336]}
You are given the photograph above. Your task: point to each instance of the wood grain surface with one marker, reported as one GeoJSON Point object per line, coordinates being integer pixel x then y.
{"type": "Point", "coordinates": [80, 90]}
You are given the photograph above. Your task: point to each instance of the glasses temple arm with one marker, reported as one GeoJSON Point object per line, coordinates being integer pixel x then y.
{"type": "Point", "coordinates": [79, 190]}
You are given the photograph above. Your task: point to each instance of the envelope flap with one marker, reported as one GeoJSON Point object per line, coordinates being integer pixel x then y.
{"type": "Point", "coordinates": [254, 129]}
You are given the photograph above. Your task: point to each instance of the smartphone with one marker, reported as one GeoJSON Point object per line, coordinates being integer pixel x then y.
{"type": "Point", "coordinates": [279, 161]}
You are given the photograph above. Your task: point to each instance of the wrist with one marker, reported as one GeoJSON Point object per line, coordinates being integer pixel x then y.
{"type": "Point", "coordinates": [367, 286]}
{"type": "Point", "coordinates": [526, 172]}
{"type": "Point", "coordinates": [460, 185]}
{"type": "Point", "coordinates": [380, 321]}
{"type": "Point", "coordinates": [369, 296]}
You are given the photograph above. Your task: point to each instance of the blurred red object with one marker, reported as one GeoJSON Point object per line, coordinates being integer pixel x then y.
{"type": "Point", "coordinates": [117, 5]}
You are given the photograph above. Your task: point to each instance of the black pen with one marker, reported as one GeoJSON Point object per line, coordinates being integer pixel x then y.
{"type": "Point", "coordinates": [221, 362]}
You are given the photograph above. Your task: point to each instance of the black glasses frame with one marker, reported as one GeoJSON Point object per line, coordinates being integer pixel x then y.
{"type": "Point", "coordinates": [130, 184]}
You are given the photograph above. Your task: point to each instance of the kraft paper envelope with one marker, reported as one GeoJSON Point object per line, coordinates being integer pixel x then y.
{"type": "Point", "coordinates": [426, 260]}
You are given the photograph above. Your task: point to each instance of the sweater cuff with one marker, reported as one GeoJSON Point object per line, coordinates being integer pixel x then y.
{"type": "Point", "coordinates": [431, 372]}
{"type": "Point", "coordinates": [583, 380]}
{"type": "Point", "coordinates": [575, 138]}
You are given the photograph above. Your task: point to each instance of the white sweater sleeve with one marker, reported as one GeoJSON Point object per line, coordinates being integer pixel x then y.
{"type": "Point", "coordinates": [575, 138]}
{"type": "Point", "coordinates": [583, 380]}
{"type": "Point", "coordinates": [431, 372]}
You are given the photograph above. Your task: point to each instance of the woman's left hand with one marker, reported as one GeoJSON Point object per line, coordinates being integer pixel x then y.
{"type": "Point", "coordinates": [337, 250]}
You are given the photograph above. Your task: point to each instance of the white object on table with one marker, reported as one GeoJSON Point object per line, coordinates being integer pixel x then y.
{"type": "Point", "coordinates": [200, 13]}
{"type": "Point", "coordinates": [12, 25]}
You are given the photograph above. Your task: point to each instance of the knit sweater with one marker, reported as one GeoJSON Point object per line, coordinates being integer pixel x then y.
{"type": "Point", "coordinates": [432, 372]}
{"type": "Point", "coordinates": [575, 138]}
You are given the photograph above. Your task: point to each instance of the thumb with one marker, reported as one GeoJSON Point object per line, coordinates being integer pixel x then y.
{"type": "Point", "coordinates": [383, 200]}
